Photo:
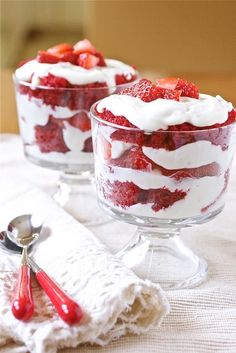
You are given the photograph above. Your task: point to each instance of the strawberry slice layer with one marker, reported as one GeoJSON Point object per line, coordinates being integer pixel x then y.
{"type": "Point", "coordinates": [126, 194]}
{"type": "Point", "coordinates": [81, 54]}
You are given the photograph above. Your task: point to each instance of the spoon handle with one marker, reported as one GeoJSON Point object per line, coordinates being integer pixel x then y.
{"type": "Point", "coordinates": [22, 305]}
{"type": "Point", "coordinates": [67, 308]}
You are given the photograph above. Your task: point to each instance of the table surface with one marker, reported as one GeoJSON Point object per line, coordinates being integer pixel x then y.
{"type": "Point", "coordinates": [223, 84]}
{"type": "Point", "coordinates": [203, 319]}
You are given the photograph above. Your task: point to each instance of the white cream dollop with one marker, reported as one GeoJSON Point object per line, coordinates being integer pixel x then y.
{"type": "Point", "coordinates": [76, 75]}
{"type": "Point", "coordinates": [161, 113]}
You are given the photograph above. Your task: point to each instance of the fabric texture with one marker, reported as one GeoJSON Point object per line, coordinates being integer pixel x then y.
{"type": "Point", "coordinates": [201, 320]}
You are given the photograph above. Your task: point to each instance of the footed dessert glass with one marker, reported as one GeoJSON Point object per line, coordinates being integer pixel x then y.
{"type": "Point", "coordinates": [162, 182]}
{"type": "Point", "coordinates": [56, 133]}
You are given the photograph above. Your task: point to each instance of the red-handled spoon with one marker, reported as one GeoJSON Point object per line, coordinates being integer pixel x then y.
{"type": "Point", "coordinates": [22, 303]}
{"type": "Point", "coordinates": [23, 231]}
{"type": "Point", "coordinates": [66, 307]}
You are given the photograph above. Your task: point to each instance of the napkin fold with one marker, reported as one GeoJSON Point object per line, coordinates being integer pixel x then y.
{"type": "Point", "coordinates": [115, 301]}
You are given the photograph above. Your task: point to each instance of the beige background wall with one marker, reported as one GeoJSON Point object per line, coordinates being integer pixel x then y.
{"type": "Point", "coordinates": [177, 36]}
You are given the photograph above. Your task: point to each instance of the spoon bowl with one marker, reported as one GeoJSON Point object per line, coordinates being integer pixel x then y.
{"type": "Point", "coordinates": [24, 230]}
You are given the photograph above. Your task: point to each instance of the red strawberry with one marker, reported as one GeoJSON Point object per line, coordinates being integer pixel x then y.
{"type": "Point", "coordinates": [135, 159]}
{"type": "Point", "coordinates": [167, 93]}
{"type": "Point", "coordinates": [84, 46]}
{"type": "Point", "coordinates": [80, 121]}
{"type": "Point", "coordinates": [124, 194]}
{"type": "Point", "coordinates": [104, 146]}
{"type": "Point", "coordinates": [69, 57]}
{"type": "Point", "coordinates": [188, 89]}
{"type": "Point", "coordinates": [88, 61]}
{"type": "Point", "coordinates": [88, 145]}
{"type": "Point", "coordinates": [143, 89]}
{"type": "Point", "coordinates": [50, 137]}
{"type": "Point", "coordinates": [60, 49]}
{"type": "Point", "coordinates": [167, 82]}
{"type": "Point", "coordinates": [54, 81]}
{"type": "Point", "coordinates": [46, 57]}
{"type": "Point", "coordinates": [101, 61]}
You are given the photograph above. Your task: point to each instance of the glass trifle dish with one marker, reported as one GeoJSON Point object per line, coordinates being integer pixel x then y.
{"type": "Point", "coordinates": [54, 93]}
{"type": "Point", "coordinates": [163, 154]}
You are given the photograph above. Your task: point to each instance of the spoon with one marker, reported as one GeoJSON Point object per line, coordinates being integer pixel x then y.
{"type": "Point", "coordinates": [24, 231]}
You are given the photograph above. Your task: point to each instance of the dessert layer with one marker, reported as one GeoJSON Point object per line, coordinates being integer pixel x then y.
{"type": "Point", "coordinates": [33, 71]}
{"type": "Point", "coordinates": [162, 113]}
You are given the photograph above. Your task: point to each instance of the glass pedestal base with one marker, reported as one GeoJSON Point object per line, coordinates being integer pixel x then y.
{"type": "Point", "coordinates": [161, 256]}
{"type": "Point", "coordinates": [76, 193]}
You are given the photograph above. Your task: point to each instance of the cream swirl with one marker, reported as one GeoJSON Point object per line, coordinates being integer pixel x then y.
{"type": "Point", "coordinates": [161, 113]}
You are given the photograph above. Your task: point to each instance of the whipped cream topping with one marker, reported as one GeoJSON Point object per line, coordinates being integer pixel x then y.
{"type": "Point", "coordinates": [161, 113]}
{"type": "Point", "coordinates": [76, 75]}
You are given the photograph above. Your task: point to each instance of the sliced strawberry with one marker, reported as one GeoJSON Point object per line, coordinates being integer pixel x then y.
{"type": "Point", "coordinates": [188, 89]}
{"type": "Point", "coordinates": [168, 82]}
{"type": "Point", "coordinates": [80, 121]}
{"type": "Point", "coordinates": [84, 46]}
{"type": "Point", "coordinates": [69, 57]}
{"type": "Point", "coordinates": [135, 159]}
{"type": "Point", "coordinates": [88, 145]}
{"type": "Point", "coordinates": [104, 147]}
{"type": "Point", "coordinates": [101, 61]}
{"type": "Point", "coordinates": [46, 57]}
{"type": "Point", "coordinates": [122, 79]}
{"type": "Point", "coordinates": [143, 89]}
{"type": "Point", "coordinates": [54, 81]}
{"type": "Point", "coordinates": [88, 61]}
{"type": "Point", "coordinates": [167, 93]}
{"type": "Point", "coordinates": [60, 49]}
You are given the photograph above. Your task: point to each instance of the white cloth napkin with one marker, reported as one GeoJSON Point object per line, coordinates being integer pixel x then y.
{"type": "Point", "coordinates": [114, 299]}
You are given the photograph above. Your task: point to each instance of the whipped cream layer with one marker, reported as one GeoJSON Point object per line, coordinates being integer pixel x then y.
{"type": "Point", "coordinates": [32, 71]}
{"type": "Point", "coordinates": [161, 113]}
{"type": "Point", "coordinates": [74, 158]}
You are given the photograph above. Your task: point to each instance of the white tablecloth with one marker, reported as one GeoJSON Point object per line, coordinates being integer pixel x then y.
{"type": "Point", "coordinates": [201, 320]}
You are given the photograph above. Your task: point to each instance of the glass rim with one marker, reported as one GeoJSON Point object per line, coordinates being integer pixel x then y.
{"type": "Point", "coordinates": [122, 85]}
{"type": "Point", "coordinates": [94, 116]}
